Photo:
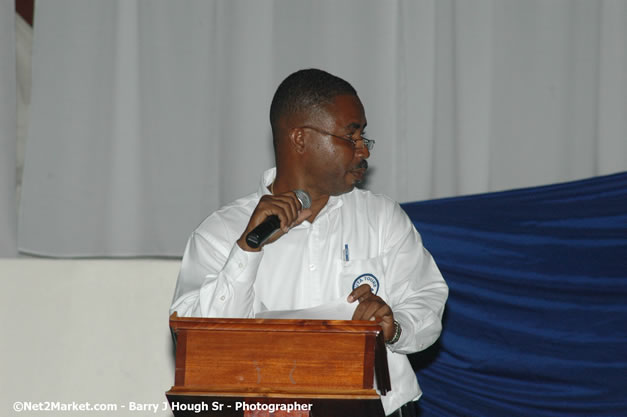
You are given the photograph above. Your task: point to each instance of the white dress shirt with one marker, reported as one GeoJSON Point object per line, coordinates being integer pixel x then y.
{"type": "Point", "coordinates": [358, 237]}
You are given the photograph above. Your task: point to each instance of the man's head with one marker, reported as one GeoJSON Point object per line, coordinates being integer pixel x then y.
{"type": "Point", "coordinates": [318, 123]}
{"type": "Point", "coordinates": [303, 93]}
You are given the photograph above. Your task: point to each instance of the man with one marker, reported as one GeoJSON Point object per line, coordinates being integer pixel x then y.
{"type": "Point", "coordinates": [350, 243]}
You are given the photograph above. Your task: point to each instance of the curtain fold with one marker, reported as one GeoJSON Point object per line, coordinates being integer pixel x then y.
{"type": "Point", "coordinates": [535, 320]}
{"type": "Point", "coordinates": [8, 131]}
{"type": "Point", "coordinates": [148, 115]}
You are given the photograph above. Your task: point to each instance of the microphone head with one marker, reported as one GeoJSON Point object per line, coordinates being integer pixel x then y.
{"type": "Point", "coordinates": [304, 198]}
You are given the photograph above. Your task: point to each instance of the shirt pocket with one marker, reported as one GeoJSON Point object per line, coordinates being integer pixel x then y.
{"type": "Point", "coordinates": [368, 271]}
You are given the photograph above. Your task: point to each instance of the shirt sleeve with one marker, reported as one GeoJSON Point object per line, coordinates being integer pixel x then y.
{"type": "Point", "coordinates": [418, 292]}
{"type": "Point", "coordinates": [217, 277]}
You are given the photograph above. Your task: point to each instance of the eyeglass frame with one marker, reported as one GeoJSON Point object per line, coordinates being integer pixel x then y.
{"type": "Point", "coordinates": [367, 143]}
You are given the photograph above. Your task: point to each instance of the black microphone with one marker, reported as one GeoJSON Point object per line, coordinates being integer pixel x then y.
{"type": "Point", "coordinates": [271, 224]}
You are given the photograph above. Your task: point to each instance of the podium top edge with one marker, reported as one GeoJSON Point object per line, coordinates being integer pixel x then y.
{"type": "Point", "coordinates": [216, 323]}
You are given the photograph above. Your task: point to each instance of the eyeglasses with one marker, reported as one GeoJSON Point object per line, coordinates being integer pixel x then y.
{"type": "Point", "coordinates": [367, 143]}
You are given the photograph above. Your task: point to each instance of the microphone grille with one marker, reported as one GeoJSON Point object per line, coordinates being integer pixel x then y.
{"type": "Point", "coordinates": [304, 198]}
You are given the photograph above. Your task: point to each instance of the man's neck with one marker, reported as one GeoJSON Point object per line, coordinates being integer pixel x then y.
{"type": "Point", "coordinates": [318, 201]}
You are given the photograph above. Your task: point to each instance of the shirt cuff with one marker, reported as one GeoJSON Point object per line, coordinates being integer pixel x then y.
{"type": "Point", "coordinates": [402, 319]}
{"type": "Point", "coordinates": [241, 266]}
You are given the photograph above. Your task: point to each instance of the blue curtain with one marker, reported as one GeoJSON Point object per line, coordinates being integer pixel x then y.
{"type": "Point", "coordinates": [536, 321]}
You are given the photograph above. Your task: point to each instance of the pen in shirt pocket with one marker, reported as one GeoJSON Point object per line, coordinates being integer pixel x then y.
{"type": "Point", "coordinates": [346, 253]}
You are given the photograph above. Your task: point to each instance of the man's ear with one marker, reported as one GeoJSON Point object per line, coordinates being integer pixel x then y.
{"type": "Point", "coordinates": [297, 139]}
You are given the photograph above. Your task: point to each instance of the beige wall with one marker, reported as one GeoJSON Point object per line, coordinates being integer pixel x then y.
{"type": "Point", "coordinates": [86, 331]}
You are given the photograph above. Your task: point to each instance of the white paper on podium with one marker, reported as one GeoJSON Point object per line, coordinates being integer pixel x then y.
{"type": "Point", "coordinates": [338, 309]}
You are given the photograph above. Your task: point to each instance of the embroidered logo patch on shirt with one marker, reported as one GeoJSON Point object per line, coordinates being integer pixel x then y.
{"type": "Point", "coordinates": [367, 279]}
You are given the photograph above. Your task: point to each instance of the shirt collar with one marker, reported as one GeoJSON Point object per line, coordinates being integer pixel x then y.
{"type": "Point", "coordinates": [266, 179]}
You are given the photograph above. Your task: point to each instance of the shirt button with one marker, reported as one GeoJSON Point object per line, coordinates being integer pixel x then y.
{"type": "Point", "coordinates": [312, 267]}
{"type": "Point", "coordinates": [241, 265]}
{"type": "Point", "coordinates": [222, 298]}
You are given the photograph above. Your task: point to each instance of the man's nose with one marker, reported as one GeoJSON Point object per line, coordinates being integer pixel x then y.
{"type": "Point", "coordinates": [363, 151]}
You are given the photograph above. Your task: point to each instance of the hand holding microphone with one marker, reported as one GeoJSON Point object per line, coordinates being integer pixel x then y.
{"type": "Point", "coordinates": [273, 217]}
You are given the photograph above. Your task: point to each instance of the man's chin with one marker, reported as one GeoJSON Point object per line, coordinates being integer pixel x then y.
{"type": "Point", "coordinates": [358, 175]}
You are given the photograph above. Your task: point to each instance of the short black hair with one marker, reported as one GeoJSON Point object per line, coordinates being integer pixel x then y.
{"type": "Point", "coordinates": [306, 90]}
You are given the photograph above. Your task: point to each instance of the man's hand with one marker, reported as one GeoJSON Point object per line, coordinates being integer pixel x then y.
{"type": "Point", "coordinates": [285, 206]}
{"type": "Point", "coordinates": [372, 307]}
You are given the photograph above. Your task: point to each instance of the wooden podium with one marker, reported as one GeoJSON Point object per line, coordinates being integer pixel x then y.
{"type": "Point", "coordinates": [271, 367]}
